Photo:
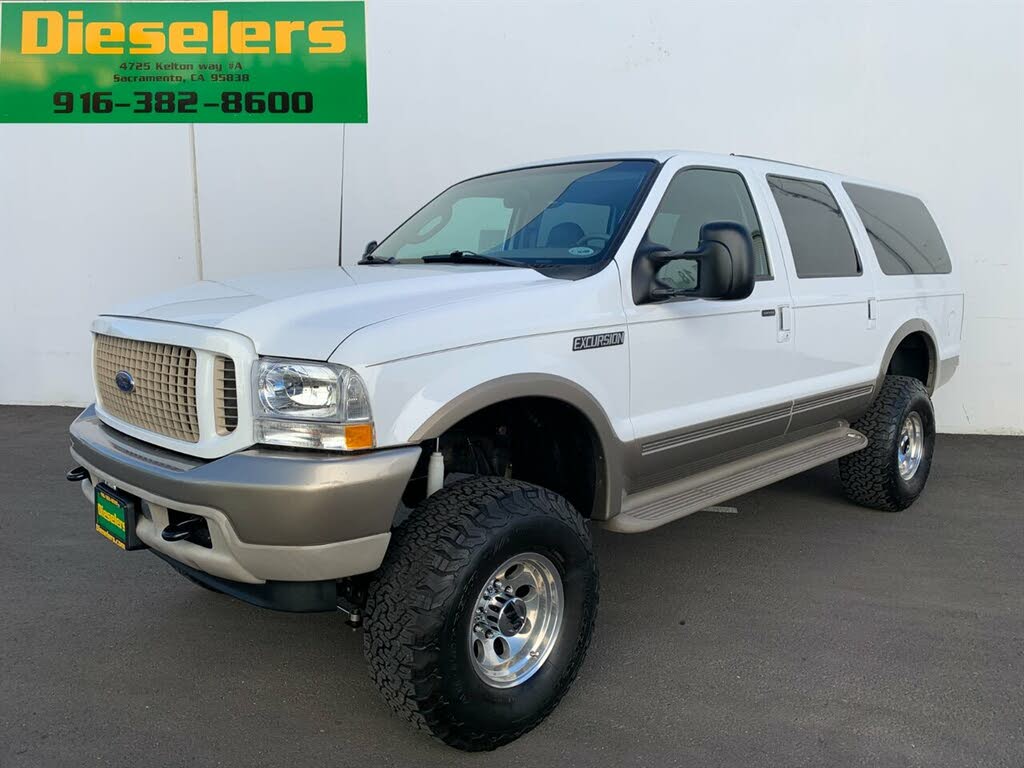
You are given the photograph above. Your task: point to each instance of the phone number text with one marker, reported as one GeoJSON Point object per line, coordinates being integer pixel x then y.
{"type": "Point", "coordinates": [165, 102]}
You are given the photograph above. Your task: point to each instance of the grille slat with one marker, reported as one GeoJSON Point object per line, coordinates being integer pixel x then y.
{"type": "Point", "coordinates": [225, 395]}
{"type": "Point", "coordinates": [164, 398]}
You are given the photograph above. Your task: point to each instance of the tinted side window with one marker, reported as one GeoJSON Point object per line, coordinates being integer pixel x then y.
{"type": "Point", "coordinates": [902, 232]}
{"type": "Point", "coordinates": [695, 197]}
{"type": "Point", "coordinates": [818, 235]}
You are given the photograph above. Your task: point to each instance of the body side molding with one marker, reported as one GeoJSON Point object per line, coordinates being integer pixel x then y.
{"type": "Point", "coordinates": [715, 428]}
{"type": "Point", "coordinates": [661, 458]}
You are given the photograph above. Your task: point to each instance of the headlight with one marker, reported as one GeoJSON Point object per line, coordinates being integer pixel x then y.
{"type": "Point", "coordinates": [311, 405]}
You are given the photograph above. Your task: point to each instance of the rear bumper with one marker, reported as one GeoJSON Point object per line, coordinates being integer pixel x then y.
{"type": "Point", "coordinates": [273, 515]}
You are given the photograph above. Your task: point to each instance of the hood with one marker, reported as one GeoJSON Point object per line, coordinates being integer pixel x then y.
{"type": "Point", "coordinates": [308, 313]}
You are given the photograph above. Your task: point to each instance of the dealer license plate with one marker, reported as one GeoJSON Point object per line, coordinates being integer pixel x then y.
{"type": "Point", "coordinates": [115, 517]}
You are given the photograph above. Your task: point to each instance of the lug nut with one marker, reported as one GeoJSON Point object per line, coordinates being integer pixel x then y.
{"type": "Point", "coordinates": [508, 590]}
{"type": "Point", "coordinates": [479, 628]}
{"type": "Point", "coordinates": [489, 634]}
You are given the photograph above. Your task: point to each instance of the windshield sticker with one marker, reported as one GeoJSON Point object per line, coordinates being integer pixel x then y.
{"type": "Point", "coordinates": [581, 250]}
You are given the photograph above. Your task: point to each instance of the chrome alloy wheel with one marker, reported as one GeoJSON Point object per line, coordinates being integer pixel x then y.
{"type": "Point", "coordinates": [910, 446]}
{"type": "Point", "coordinates": [516, 620]}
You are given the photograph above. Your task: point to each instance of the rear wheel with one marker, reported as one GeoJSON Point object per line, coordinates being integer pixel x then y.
{"type": "Point", "coordinates": [480, 616]}
{"type": "Point", "coordinates": [890, 473]}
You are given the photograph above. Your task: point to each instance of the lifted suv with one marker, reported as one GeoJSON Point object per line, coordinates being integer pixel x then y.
{"type": "Point", "coordinates": [426, 438]}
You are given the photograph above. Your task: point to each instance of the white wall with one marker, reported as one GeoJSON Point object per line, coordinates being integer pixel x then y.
{"type": "Point", "coordinates": [93, 214]}
{"type": "Point", "coordinates": [927, 95]}
{"type": "Point", "coordinates": [269, 197]}
{"type": "Point", "coordinates": [87, 214]}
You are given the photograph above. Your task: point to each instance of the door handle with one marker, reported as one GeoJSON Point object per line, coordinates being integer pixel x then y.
{"type": "Point", "coordinates": [785, 318]}
{"type": "Point", "coordinates": [785, 324]}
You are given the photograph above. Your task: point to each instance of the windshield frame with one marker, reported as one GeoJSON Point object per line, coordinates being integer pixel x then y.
{"type": "Point", "coordinates": [570, 270]}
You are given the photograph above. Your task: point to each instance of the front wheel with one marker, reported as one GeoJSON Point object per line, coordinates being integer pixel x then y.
{"type": "Point", "coordinates": [890, 473]}
{"type": "Point", "coordinates": [480, 616]}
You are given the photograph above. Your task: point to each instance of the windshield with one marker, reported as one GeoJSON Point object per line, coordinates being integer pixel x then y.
{"type": "Point", "coordinates": [550, 215]}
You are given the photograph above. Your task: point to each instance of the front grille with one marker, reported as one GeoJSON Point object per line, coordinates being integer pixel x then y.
{"type": "Point", "coordinates": [164, 398]}
{"type": "Point", "coordinates": [225, 395]}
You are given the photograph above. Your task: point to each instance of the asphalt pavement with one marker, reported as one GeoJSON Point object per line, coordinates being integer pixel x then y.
{"type": "Point", "coordinates": [800, 631]}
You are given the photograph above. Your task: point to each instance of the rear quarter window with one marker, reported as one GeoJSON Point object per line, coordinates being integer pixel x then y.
{"type": "Point", "coordinates": [902, 231]}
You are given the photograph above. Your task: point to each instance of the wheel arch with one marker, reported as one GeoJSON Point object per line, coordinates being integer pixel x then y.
{"type": "Point", "coordinates": [911, 331]}
{"type": "Point", "coordinates": [608, 494]}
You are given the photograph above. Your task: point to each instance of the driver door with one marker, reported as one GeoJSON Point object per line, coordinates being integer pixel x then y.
{"type": "Point", "coordinates": [708, 377]}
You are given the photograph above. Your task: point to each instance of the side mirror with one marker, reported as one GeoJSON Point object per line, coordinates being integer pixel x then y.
{"type": "Point", "coordinates": [724, 262]}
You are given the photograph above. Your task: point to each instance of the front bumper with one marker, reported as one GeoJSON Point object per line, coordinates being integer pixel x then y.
{"type": "Point", "coordinates": [273, 515]}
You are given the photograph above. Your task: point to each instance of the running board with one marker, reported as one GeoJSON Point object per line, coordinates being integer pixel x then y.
{"type": "Point", "coordinates": [656, 506]}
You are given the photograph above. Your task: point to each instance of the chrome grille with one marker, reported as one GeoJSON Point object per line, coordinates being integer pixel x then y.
{"type": "Point", "coordinates": [225, 395]}
{"type": "Point", "coordinates": [164, 398]}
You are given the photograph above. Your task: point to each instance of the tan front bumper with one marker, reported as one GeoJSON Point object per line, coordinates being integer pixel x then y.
{"type": "Point", "coordinates": [272, 515]}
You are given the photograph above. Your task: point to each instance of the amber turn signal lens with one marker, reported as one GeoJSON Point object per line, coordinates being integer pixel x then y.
{"type": "Point", "coordinates": [358, 436]}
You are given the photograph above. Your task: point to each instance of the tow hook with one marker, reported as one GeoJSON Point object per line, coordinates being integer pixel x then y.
{"type": "Point", "coordinates": [77, 475]}
{"type": "Point", "coordinates": [181, 530]}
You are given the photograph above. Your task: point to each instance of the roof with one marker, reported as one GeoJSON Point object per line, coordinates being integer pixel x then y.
{"type": "Point", "coordinates": [659, 155]}
{"type": "Point", "coordinates": [761, 164]}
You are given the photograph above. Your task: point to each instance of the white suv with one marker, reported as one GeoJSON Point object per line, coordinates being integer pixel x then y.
{"type": "Point", "coordinates": [425, 439]}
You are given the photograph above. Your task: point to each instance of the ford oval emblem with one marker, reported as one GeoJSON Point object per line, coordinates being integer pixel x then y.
{"type": "Point", "coordinates": [124, 382]}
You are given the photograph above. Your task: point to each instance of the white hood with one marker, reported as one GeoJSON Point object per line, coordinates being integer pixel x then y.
{"type": "Point", "coordinates": [308, 313]}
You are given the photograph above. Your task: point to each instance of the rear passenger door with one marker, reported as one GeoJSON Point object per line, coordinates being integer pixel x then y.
{"type": "Point", "coordinates": [834, 306]}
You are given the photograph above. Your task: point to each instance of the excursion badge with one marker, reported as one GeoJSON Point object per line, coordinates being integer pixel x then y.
{"type": "Point", "coordinates": [598, 340]}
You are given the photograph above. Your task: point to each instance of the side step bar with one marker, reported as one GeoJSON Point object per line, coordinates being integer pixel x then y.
{"type": "Point", "coordinates": [656, 506]}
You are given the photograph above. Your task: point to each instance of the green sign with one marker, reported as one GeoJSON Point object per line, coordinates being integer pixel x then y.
{"type": "Point", "coordinates": [183, 62]}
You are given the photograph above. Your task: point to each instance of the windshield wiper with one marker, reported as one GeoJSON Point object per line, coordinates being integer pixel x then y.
{"type": "Point", "coordinates": [472, 257]}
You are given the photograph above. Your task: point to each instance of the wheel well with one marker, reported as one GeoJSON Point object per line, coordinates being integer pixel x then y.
{"type": "Point", "coordinates": [539, 440]}
{"type": "Point", "coordinates": [914, 356]}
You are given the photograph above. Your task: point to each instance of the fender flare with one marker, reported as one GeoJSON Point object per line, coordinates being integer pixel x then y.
{"type": "Point", "coordinates": [608, 494]}
{"type": "Point", "coordinates": [905, 330]}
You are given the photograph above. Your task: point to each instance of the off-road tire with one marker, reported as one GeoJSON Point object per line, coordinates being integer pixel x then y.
{"type": "Point", "coordinates": [871, 476]}
{"type": "Point", "coordinates": [420, 608]}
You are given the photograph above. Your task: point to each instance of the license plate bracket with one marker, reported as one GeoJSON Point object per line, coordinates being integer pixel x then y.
{"type": "Point", "coordinates": [116, 514]}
